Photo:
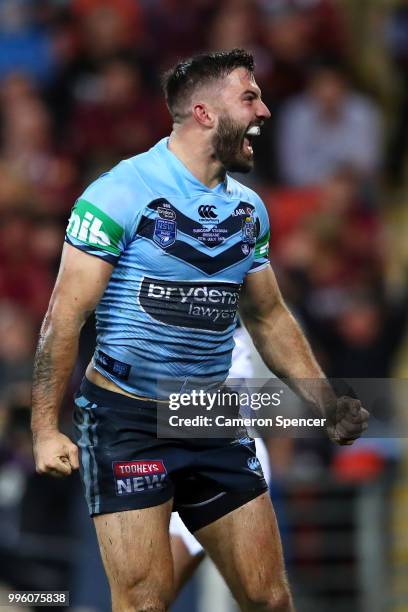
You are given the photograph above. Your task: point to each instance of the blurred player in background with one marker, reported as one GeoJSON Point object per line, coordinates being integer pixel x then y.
{"type": "Point", "coordinates": [164, 246]}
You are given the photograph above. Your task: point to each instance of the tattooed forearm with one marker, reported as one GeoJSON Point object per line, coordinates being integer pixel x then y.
{"type": "Point", "coordinates": [54, 360]}
{"type": "Point", "coordinates": [42, 375]}
{"type": "Point", "coordinates": [78, 289]}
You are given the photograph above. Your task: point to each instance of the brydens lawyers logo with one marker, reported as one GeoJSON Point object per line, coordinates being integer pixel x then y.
{"type": "Point", "coordinates": [137, 476]}
{"type": "Point", "coordinates": [190, 304]}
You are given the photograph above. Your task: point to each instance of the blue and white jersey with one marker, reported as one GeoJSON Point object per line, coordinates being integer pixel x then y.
{"type": "Point", "coordinates": [180, 253]}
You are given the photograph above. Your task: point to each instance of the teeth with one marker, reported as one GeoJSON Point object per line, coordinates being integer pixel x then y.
{"type": "Point", "coordinates": [255, 130]}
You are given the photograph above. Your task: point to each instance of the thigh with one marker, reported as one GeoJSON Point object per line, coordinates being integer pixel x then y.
{"type": "Point", "coordinates": [246, 547]}
{"type": "Point", "coordinates": [187, 552]}
{"type": "Point", "coordinates": [184, 562]}
{"type": "Point", "coordinates": [136, 553]}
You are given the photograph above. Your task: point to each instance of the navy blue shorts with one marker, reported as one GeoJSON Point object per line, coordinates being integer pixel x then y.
{"type": "Point", "coordinates": [124, 466]}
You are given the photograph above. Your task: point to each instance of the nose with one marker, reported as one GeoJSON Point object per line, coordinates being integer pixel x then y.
{"type": "Point", "coordinates": [263, 111]}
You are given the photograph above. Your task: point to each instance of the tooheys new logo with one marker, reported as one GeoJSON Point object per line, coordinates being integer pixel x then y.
{"type": "Point", "coordinates": [211, 306]}
{"type": "Point", "coordinates": [91, 225]}
{"type": "Point", "coordinates": [136, 476]}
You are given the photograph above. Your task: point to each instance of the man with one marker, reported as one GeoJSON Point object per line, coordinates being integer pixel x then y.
{"type": "Point", "coordinates": [161, 245]}
{"type": "Point", "coordinates": [327, 128]}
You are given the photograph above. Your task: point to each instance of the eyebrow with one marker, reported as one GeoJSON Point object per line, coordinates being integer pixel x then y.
{"type": "Point", "coordinates": [255, 92]}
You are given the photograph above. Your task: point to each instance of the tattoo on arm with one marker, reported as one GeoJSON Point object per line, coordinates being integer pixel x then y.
{"type": "Point", "coordinates": [53, 364]}
{"type": "Point", "coordinates": [42, 375]}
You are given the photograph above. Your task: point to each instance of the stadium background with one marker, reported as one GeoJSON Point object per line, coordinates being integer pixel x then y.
{"type": "Point", "coordinates": [79, 91]}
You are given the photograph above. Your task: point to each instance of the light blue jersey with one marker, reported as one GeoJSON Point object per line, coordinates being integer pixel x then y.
{"type": "Point", "coordinates": [180, 253]}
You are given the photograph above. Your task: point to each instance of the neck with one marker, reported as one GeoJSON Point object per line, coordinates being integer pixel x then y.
{"type": "Point", "coordinates": [197, 155]}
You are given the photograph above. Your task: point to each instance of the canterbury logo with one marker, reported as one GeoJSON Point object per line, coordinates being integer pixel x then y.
{"type": "Point", "coordinates": [206, 211]}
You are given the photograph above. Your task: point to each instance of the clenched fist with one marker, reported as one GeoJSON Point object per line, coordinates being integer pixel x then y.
{"type": "Point", "coordinates": [54, 453]}
{"type": "Point", "coordinates": [346, 420]}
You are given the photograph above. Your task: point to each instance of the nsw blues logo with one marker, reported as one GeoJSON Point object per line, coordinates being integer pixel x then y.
{"type": "Point", "coordinates": [248, 230]}
{"type": "Point", "coordinates": [165, 231]}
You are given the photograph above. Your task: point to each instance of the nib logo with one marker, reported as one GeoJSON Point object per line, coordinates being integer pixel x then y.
{"type": "Point", "coordinates": [93, 226]}
{"type": "Point", "coordinates": [88, 229]}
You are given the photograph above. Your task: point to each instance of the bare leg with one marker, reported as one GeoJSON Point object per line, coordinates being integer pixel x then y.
{"type": "Point", "coordinates": [136, 553]}
{"type": "Point", "coordinates": [245, 545]}
{"type": "Point", "coordinates": [185, 563]}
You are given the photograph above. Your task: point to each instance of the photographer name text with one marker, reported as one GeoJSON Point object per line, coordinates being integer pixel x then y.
{"type": "Point", "coordinates": [224, 421]}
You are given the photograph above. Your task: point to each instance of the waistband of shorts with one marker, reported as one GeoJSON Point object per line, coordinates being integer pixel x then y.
{"type": "Point", "coordinates": [99, 395]}
{"type": "Point", "coordinates": [146, 412]}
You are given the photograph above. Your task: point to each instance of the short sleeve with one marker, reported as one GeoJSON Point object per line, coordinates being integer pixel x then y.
{"type": "Point", "coordinates": [102, 219]}
{"type": "Point", "coordinates": [261, 255]}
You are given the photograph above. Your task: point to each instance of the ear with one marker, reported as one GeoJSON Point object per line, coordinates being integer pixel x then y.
{"type": "Point", "coordinates": [203, 114]}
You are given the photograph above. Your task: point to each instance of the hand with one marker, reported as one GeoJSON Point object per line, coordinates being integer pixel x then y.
{"type": "Point", "coordinates": [54, 453]}
{"type": "Point", "coordinates": [346, 419]}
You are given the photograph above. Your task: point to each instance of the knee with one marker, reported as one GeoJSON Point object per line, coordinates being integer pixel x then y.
{"type": "Point", "coordinates": [133, 602]}
{"type": "Point", "coordinates": [277, 599]}
{"type": "Point", "coordinates": [137, 599]}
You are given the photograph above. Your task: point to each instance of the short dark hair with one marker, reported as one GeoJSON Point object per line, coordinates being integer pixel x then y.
{"type": "Point", "coordinates": [180, 81]}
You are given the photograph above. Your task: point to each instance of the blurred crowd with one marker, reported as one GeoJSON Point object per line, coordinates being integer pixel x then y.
{"type": "Point", "coordinates": [80, 90]}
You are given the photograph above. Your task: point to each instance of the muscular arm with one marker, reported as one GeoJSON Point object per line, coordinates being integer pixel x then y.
{"type": "Point", "coordinates": [80, 284]}
{"type": "Point", "coordinates": [285, 350]}
{"type": "Point", "coordinates": [278, 337]}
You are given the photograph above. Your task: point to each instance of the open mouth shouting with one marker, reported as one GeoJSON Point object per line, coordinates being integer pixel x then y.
{"type": "Point", "coordinates": [254, 130]}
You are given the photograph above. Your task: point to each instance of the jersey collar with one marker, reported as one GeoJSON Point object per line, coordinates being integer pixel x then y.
{"type": "Point", "coordinates": [183, 173]}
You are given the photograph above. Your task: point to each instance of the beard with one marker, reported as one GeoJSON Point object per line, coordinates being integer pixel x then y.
{"type": "Point", "coordinates": [228, 145]}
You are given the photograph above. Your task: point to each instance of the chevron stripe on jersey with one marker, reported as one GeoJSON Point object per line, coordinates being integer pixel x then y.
{"type": "Point", "coordinates": [194, 229]}
{"type": "Point", "coordinates": [180, 253]}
